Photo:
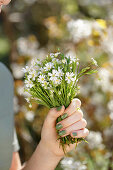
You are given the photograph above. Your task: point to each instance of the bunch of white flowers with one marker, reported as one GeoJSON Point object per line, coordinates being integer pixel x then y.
{"type": "Point", "coordinates": [54, 81]}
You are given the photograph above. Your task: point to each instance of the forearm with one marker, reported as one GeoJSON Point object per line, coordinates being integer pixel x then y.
{"type": "Point", "coordinates": [16, 164]}
{"type": "Point", "coordinates": [42, 159]}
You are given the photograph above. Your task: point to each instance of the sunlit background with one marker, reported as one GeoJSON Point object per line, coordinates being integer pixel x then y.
{"type": "Point", "coordinates": [32, 28]}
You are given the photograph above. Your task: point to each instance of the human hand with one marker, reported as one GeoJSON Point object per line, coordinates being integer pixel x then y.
{"type": "Point", "coordinates": [4, 2]}
{"type": "Point", "coordinates": [74, 125]}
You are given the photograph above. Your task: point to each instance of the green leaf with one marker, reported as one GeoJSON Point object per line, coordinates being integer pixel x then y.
{"type": "Point", "coordinates": [91, 72]}
{"type": "Point", "coordinates": [41, 102]}
{"type": "Point", "coordinates": [84, 70]}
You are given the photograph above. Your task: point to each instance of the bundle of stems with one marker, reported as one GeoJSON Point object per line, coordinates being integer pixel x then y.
{"type": "Point", "coordinates": [53, 82]}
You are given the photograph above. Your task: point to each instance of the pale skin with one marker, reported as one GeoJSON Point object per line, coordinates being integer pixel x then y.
{"type": "Point", "coordinates": [48, 154]}
{"type": "Point", "coordinates": [4, 2]}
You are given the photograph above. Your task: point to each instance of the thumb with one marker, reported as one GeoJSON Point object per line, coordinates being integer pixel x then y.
{"type": "Point", "coordinates": [52, 115]}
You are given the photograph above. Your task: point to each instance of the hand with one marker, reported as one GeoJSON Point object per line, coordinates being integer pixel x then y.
{"type": "Point", "coordinates": [74, 125]}
{"type": "Point", "coordinates": [4, 2]}
{"type": "Point", "coordinates": [48, 154]}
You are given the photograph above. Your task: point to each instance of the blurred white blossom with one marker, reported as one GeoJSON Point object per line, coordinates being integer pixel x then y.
{"type": "Point", "coordinates": [17, 71]}
{"type": "Point", "coordinates": [15, 104]}
{"type": "Point", "coordinates": [79, 29]}
{"type": "Point", "coordinates": [68, 163]}
{"type": "Point", "coordinates": [107, 41]}
{"type": "Point", "coordinates": [26, 46]}
{"type": "Point", "coordinates": [29, 115]}
{"type": "Point", "coordinates": [94, 140]}
{"type": "Point", "coordinates": [111, 115]}
{"type": "Point", "coordinates": [110, 105]}
{"type": "Point", "coordinates": [104, 81]}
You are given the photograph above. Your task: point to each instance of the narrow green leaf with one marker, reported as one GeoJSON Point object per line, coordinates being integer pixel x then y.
{"type": "Point", "coordinates": [91, 72]}
{"type": "Point", "coordinates": [84, 70]}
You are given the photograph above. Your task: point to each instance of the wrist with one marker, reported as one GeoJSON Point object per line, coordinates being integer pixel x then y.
{"type": "Point", "coordinates": [47, 151]}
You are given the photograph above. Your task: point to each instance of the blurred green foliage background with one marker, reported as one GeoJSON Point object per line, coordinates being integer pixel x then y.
{"type": "Point", "coordinates": [31, 29]}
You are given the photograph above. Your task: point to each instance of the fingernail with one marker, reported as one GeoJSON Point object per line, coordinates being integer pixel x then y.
{"type": "Point", "coordinates": [59, 126]}
{"type": "Point", "coordinates": [63, 132]}
{"type": "Point", "coordinates": [64, 116]}
{"type": "Point", "coordinates": [59, 108]}
{"type": "Point", "coordinates": [74, 134]}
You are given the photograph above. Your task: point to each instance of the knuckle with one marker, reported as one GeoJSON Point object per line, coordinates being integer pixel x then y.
{"type": "Point", "coordinates": [80, 113]}
{"type": "Point", "coordinates": [76, 102]}
{"type": "Point", "coordinates": [84, 122]}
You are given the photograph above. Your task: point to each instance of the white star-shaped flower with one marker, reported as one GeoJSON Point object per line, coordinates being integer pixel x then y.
{"type": "Point", "coordinates": [41, 78]}
{"type": "Point", "coordinates": [29, 83]}
{"type": "Point", "coordinates": [26, 69]}
{"type": "Point", "coordinates": [48, 66]}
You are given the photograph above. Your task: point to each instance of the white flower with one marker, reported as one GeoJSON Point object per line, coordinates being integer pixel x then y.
{"type": "Point", "coordinates": [70, 77]}
{"type": "Point", "coordinates": [52, 55]}
{"type": "Point", "coordinates": [53, 74]}
{"type": "Point", "coordinates": [29, 83]}
{"type": "Point", "coordinates": [36, 67]}
{"type": "Point", "coordinates": [41, 70]}
{"type": "Point", "coordinates": [48, 66]}
{"type": "Point", "coordinates": [52, 78]}
{"type": "Point", "coordinates": [30, 105]}
{"type": "Point", "coordinates": [72, 59]}
{"type": "Point", "coordinates": [51, 91]}
{"type": "Point", "coordinates": [64, 61]}
{"type": "Point", "coordinates": [44, 84]}
{"type": "Point", "coordinates": [26, 69]}
{"type": "Point", "coordinates": [32, 75]}
{"type": "Point", "coordinates": [57, 81]}
{"type": "Point", "coordinates": [94, 61]}
{"type": "Point", "coordinates": [77, 63]}
{"type": "Point", "coordinates": [59, 73]}
{"type": "Point", "coordinates": [28, 99]}
{"type": "Point", "coordinates": [41, 78]}
{"type": "Point", "coordinates": [33, 62]}
{"type": "Point", "coordinates": [59, 92]}
{"type": "Point", "coordinates": [56, 54]}
{"type": "Point", "coordinates": [69, 94]}
{"type": "Point", "coordinates": [56, 60]}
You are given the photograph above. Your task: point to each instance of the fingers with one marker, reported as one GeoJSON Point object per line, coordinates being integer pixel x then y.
{"type": "Point", "coordinates": [53, 114]}
{"type": "Point", "coordinates": [76, 103]}
{"type": "Point", "coordinates": [80, 133]}
{"type": "Point", "coordinates": [75, 117]}
{"type": "Point", "coordinates": [74, 127]}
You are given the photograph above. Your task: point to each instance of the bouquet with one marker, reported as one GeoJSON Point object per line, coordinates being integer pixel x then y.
{"type": "Point", "coordinates": [53, 82]}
